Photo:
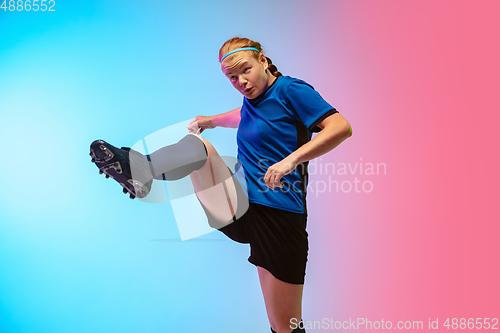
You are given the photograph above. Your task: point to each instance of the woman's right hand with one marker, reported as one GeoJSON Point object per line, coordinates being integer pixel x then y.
{"type": "Point", "coordinates": [199, 124]}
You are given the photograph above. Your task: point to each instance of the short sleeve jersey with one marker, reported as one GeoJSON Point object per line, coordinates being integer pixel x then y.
{"type": "Point", "coordinates": [272, 126]}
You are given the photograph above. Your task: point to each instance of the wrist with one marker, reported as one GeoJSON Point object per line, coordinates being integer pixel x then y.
{"type": "Point", "coordinates": [293, 160]}
{"type": "Point", "coordinates": [212, 121]}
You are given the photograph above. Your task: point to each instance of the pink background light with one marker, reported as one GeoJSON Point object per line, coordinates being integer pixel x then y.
{"type": "Point", "coordinates": [424, 243]}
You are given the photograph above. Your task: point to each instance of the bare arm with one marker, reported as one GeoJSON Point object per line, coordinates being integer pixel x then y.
{"type": "Point", "coordinates": [335, 129]}
{"type": "Point", "coordinates": [229, 119]}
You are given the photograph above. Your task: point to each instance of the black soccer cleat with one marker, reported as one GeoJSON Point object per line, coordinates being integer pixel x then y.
{"type": "Point", "coordinates": [128, 167]}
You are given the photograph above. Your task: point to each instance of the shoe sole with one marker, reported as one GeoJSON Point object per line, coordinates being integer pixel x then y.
{"type": "Point", "coordinates": [115, 169]}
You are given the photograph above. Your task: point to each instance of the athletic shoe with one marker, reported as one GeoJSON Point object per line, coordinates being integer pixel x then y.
{"type": "Point", "coordinates": [128, 167]}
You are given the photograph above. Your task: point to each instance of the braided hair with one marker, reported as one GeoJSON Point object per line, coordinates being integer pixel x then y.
{"type": "Point", "coordinates": [272, 68]}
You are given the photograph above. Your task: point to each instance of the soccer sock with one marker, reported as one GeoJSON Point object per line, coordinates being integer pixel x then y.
{"type": "Point", "coordinates": [176, 161]}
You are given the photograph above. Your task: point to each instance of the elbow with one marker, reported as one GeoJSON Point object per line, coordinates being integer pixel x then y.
{"type": "Point", "coordinates": [348, 130]}
{"type": "Point", "coordinates": [340, 127]}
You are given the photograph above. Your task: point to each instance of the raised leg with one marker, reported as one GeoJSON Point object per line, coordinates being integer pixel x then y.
{"type": "Point", "coordinates": [215, 187]}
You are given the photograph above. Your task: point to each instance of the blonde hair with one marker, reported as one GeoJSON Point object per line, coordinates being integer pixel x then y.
{"type": "Point", "coordinates": [237, 43]}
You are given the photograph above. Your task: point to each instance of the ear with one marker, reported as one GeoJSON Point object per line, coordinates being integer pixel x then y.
{"type": "Point", "coordinates": [263, 61]}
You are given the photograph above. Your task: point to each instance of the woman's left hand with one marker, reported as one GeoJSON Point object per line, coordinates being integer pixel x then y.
{"type": "Point", "coordinates": [276, 171]}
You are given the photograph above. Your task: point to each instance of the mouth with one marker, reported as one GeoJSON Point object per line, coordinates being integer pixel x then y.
{"type": "Point", "coordinates": [246, 91]}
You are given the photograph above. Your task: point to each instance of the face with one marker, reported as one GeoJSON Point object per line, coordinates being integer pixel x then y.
{"type": "Point", "coordinates": [247, 74]}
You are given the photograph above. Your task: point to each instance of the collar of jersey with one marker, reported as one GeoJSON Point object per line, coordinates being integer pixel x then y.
{"type": "Point", "coordinates": [261, 96]}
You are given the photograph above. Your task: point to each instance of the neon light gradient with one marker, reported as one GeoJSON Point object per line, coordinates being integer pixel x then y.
{"type": "Point", "coordinates": [403, 216]}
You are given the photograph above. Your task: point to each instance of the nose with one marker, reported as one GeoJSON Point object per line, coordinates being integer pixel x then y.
{"type": "Point", "coordinates": [242, 81]}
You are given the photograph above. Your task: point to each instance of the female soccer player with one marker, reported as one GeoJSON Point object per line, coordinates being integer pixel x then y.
{"type": "Point", "coordinates": [275, 126]}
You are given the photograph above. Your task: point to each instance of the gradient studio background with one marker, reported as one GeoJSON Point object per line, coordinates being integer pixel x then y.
{"type": "Point", "coordinates": [414, 78]}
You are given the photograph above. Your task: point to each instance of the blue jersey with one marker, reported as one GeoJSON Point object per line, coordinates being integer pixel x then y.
{"type": "Point", "coordinates": [272, 126]}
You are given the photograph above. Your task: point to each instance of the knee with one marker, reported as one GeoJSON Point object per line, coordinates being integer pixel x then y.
{"type": "Point", "coordinates": [210, 149]}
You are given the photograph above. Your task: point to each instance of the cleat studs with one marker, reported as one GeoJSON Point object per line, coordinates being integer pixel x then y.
{"type": "Point", "coordinates": [100, 172]}
{"type": "Point", "coordinates": [125, 191]}
{"type": "Point", "coordinates": [132, 196]}
{"type": "Point", "coordinates": [107, 176]}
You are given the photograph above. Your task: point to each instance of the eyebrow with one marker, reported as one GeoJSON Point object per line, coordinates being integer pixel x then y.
{"type": "Point", "coordinates": [229, 71]}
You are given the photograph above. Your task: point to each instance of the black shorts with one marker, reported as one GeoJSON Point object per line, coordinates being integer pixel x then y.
{"type": "Point", "coordinates": [278, 238]}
